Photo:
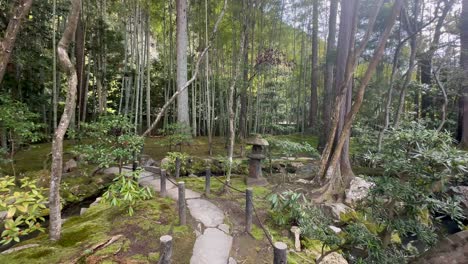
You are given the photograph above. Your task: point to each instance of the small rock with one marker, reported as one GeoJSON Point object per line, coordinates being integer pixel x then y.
{"type": "Point", "coordinates": [335, 229]}
{"type": "Point", "coordinates": [308, 169]}
{"type": "Point", "coordinates": [224, 228]}
{"type": "Point", "coordinates": [96, 202]}
{"type": "Point", "coordinates": [232, 261]}
{"type": "Point", "coordinates": [83, 210]}
{"type": "Point", "coordinates": [70, 165]}
{"type": "Point", "coordinates": [333, 258]}
{"type": "Point", "coordinates": [146, 160]}
{"type": "Point", "coordinates": [334, 210]}
{"type": "Point", "coordinates": [358, 190]}
{"type": "Point", "coordinates": [152, 169]}
{"type": "Point", "coordinates": [303, 181]}
{"type": "Point", "coordinates": [192, 175]}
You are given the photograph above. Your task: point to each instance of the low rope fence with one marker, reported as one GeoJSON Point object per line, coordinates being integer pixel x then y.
{"type": "Point", "coordinates": [280, 249]}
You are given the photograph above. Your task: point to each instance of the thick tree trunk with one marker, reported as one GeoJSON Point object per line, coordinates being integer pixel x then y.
{"type": "Point", "coordinates": [181, 46]}
{"type": "Point", "coordinates": [329, 72]}
{"type": "Point", "coordinates": [464, 65]}
{"type": "Point", "coordinates": [334, 170]}
{"type": "Point", "coordinates": [315, 67]}
{"type": "Point", "coordinates": [57, 143]}
{"type": "Point", "coordinates": [7, 44]}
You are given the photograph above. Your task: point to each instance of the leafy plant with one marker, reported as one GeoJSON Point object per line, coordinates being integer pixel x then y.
{"type": "Point", "coordinates": [112, 141]}
{"type": "Point", "coordinates": [289, 148]}
{"type": "Point", "coordinates": [125, 192]}
{"type": "Point", "coordinates": [20, 125]}
{"type": "Point", "coordinates": [171, 164]}
{"type": "Point", "coordinates": [228, 165]}
{"type": "Point", "coordinates": [24, 208]}
{"type": "Point", "coordinates": [175, 135]}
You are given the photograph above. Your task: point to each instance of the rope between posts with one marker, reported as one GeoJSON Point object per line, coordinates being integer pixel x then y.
{"type": "Point", "coordinates": [265, 231]}
{"type": "Point", "coordinates": [228, 185]}
{"type": "Point", "coordinates": [169, 179]}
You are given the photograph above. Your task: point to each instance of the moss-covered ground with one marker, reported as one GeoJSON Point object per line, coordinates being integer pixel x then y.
{"type": "Point", "coordinates": [140, 242]}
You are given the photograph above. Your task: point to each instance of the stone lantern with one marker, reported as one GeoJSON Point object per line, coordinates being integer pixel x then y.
{"type": "Point", "coordinates": [255, 161]}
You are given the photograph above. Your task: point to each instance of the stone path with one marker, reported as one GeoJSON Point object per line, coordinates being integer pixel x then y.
{"type": "Point", "coordinates": [214, 241]}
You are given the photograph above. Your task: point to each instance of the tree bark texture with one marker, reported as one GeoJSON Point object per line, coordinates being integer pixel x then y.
{"type": "Point", "coordinates": [181, 46]}
{"type": "Point", "coordinates": [329, 75]}
{"type": "Point", "coordinates": [313, 110]}
{"type": "Point", "coordinates": [464, 66]}
{"type": "Point", "coordinates": [57, 143]}
{"type": "Point", "coordinates": [22, 8]}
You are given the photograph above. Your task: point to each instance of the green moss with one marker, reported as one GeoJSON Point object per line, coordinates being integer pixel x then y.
{"type": "Point", "coordinates": [257, 233]}
{"type": "Point", "coordinates": [153, 257]}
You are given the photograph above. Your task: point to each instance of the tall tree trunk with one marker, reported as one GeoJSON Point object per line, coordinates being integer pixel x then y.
{"type": "Point", "coordinates": [245, 80]}
{"type": "Point", "coordinates": [337, 177]}
{"type": "Point", "coordinates": [57, 143]}
{"type": "Point", "coordinates": [315, 73]}
{"type": "Point", "coordinates": [80, 66]}
{"type": "Point", "coordinates": [329, 71]}
{"type": "Point", "coordinates": [464, 66]}
{"type": "Point", "coordinates": [7, 43]}
{"type": "Point", "coordinates": [181, 46]}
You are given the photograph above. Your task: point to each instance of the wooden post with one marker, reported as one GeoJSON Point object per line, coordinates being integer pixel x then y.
{"type": "Point", "coordinates": [207, 181]}
{"type": "Point", "coordinates": [165, 250]}
{"type": "Point", "coordinates": [182, 211]}
{"type": "Point", "coordinates": [163, 191]}
{"type": "Point", "coordinates": [248, 209]}
{"type": "Point", "coordinates": [280, 252]}
{"type": "Point", "coordinates": [177, 167]}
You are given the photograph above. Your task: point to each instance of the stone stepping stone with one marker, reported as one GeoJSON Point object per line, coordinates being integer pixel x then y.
{"type": "Point", "coordinates": [156, 184]}
{"type": "Point", "coordinates": [189, 194]}
{"type": "Point", "coordinates": [205, 212]}
{"type": "Point", "coordinates": [115, 171]}
{"type": "Point", "coordinates": [212, 247]}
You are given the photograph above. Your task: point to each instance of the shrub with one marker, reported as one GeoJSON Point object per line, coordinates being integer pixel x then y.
{"type": "Point", "coordinates": [112, 141]}
{"type": "Point", "coordinates": [125, 192]}
{"type": "Point", "coordinates": [24, 206]}
{"type": "Point", "coordinates": [289, 148]}
{"type": "Point", "coordinates": [175, 135]}
{"type": "Point", "coordinates": [171, 164]}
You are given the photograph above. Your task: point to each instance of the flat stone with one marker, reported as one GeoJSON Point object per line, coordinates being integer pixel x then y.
{"type": "Point", "coordinates": [205, 212]}
{"type": "Point", "coordinates": [153, 169]}
{"type": "Point", "coordinates": [83, 210]}
{"type": "Point", "coordinates": [224, 228]}
{"type": "Point", "coordinates": [156, 184]}
{"type": "Point", "coordinates": [212, 247]}
{"type": "Point", "coordinates": [189, 194]}
{"type": "Point", "coordinates": [334, 258]}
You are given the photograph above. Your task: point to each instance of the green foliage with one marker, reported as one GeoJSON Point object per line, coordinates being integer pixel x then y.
{"type": "Point", "coordinates": [291, 208]}
{"type": "Point", "coordinates": [289, 148]}
{"type": "Point", "coordinates": [125, 192]}
{"type": "Point", "coordinates": [19, 123]}
{"type": "Point", "coordinates": [113, 141]}
{"type": "Point", "coordinates": [24, 206]}
{"type": "Point", "coordinates": [171, 164]}
{"type": "Point", "coordinates": [229, 166]}
{"type": "Point", "coordinates": [175, 135]}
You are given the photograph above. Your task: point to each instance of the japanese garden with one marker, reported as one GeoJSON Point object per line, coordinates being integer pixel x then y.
{"type": "Point", "coordinates": [234, 131]}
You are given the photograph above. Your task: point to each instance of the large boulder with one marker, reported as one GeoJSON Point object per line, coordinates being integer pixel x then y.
{"type": "Point", "coordinates": [70, 165]}
{"type": "Point", "coordinates": [358, 190]}
{"type": "Point", "coordinates": [334, 258]}
{"type": "Point", "coordinates": [450, 250]}
{"type": "Point", "coordinates": [335, 210]}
